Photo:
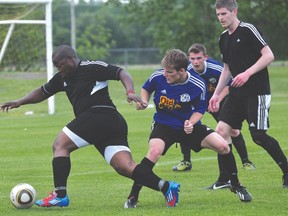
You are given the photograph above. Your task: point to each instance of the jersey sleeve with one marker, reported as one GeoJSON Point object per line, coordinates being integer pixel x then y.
{"type": "Point", "coordinates": [255, 37]}
{"type": "Point", "coordinates": [54, 85]}
{"type": "Point", "coordinates": [151, 83]}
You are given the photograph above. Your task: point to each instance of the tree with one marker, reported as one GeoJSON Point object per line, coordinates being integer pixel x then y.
{"type": "Point", "coordinates": [179, 23]}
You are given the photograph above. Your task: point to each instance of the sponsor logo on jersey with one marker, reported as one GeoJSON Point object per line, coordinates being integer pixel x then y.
{"type": "Point", "coordinates": [185, 97]}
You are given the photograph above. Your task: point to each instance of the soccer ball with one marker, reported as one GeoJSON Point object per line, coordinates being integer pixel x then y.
{"type": "Point", "coordinates": [23, 196]}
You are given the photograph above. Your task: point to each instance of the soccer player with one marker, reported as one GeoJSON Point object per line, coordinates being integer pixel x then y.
{"type": "Point", "coordinates": [210, 71]}
{"type": "Point", "coordinates": [246, 56]}
{"type": "Point", "coordinates": [86, 86]}
{"type": "Point", "coordinates": [180, 101]}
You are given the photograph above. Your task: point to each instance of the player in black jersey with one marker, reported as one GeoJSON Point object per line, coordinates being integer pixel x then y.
{"type": "Point", "coordinates": [96, 122]}
{"type": "Point", "coordinates": [246, 56]}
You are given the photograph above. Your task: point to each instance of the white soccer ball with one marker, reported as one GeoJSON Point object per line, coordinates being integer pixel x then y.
{"type": "Point", "coordinates": [23, 196]}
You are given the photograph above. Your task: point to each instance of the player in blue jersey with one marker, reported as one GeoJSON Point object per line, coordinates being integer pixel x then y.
{"type": "Point", "coordinates": [180, 101]}
{"type": "Point", "coordinates": [246, 56]}
{"type": "Point", "coordinates": [210, 71]}
{"type": "Point", "coordinates": [96, 122]}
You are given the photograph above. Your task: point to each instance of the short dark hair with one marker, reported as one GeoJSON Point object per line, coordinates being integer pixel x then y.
{"type": "Point", "coordinates": [63, 52]}
{"type": "Point", "coordinates": [175, 59]}
{"type": "Point", "coordinates": [228, 4]}
{"type": "Point", "coordinates": [197, 48]}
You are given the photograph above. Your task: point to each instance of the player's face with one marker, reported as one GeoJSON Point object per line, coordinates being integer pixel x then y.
{"type": "Point", "coordinates": [172, 75]}
{"type": "Point", "coordinates": [65, 66]}
{"type": "Point", "coordinates": [226, 17]}
{"type": "Point", "coordinates": [198, 61]}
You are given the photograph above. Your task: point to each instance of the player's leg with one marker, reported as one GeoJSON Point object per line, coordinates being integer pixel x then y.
{"type": "Point", "coordinates": [185, 164]}
{"type": "Point", "coordinates": [161, 138]}
{"type": "Point", "coordinates": [61, 165]}
{"type": "Point", "coordinates": [223, 180]}
{"type": "Point", "coordinates": [240, 145]}
{"type": "Point", "coordinates": [216, 142]}
{"type": "Point", "coordinates": [156, 148]}
{"type": "Point", "coordinates": [258, 120]}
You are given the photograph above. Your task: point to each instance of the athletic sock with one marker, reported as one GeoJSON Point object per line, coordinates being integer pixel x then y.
{"type": "Point", "coordinates": [143, 175]}
{"type": "Point", "coordinates": [186, 151]}
{"type": "Point", "coordinates": [230, 165]}
{"type": "Point", "coordinates": [240, 146]}
{"type": "Point", "coordinates": [61, 170]}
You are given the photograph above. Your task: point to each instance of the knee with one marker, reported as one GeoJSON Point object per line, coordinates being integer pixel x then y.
{"type": "Point", "coordinates": [154, 154]}
{"type": "Point", "coordinates": [223, 148]}
{"type": "Point", "coordinates": [123, 164]}
{"type": "Point", "coordinates": [234, 133]}
{"type": "Point", "coordinates": [259, 136]}
{"type": "Point", "coordinates": [223, 132]}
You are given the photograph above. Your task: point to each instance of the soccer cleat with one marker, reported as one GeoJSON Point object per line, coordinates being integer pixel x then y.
{"type": "Point", "coordinates": [242, 193]}
{"type": "Point", "coordinates": [53, 200]}
{"type": "Point", "coordinates": [183, 166]}
{"type": "Point", "coordinates": [219, 185]}
{"type": "Point", "coordinates": [249, 165]}
{"type": "Point", "coordinates": [172, 194]}
{"type": "Point", "coordinates": [131, 202]}
{"type": "Point", "coordinates": [285, 181]}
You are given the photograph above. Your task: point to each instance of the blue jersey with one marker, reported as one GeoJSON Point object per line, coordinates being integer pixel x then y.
{"type": "Point", "coordinates": [210, 74]}
{"type": "Point", "coordinates": [175, 103]}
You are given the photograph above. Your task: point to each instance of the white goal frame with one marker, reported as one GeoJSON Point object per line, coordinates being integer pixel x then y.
{"type": "Point", "coordinates": [49, 45]}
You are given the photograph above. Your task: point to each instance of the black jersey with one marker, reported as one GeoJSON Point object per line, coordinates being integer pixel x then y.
{"type": "Point", "coordinates": [240, 50]}
{"type": "Point", "coordinates": [87, 87]}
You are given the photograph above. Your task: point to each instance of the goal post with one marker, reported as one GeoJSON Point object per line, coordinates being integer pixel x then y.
{"type": "Point", "coordinates": [20, 20]}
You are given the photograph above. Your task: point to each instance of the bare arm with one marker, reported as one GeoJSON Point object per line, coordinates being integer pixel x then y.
{"type": "Point", "coordinates": [36, 96]}
{"type": "Point", "coordinates": [127, 82]}
{"type": "Point", "coordinates": [145, 96]}
{"type": "Point", "coordinates": [223, 93]}
{"type": "Point", "coordinates": [223, 80]}
{"type": "Point", "coordinates": [266, 58]}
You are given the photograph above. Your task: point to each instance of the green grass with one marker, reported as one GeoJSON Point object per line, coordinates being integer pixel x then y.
{"type": "Point", "coordinates": [95, 188]}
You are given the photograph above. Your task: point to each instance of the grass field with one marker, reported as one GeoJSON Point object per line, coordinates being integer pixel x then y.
{"type": "Point", "coordinates": [95, 188]}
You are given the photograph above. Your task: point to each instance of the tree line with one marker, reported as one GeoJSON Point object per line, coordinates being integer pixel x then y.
{"type": "Point", "coordinates": [163, 24]}
{"type": "Point", "coordinates": [160, 24]}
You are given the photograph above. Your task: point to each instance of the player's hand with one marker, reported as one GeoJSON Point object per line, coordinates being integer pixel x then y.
{"type": "Point", "coordinates": [214, 104]}
{"type": "Point", "coordinates": [188, 127]}
{"type": "Point", "coordinates": [240, 79]}
{"type": "Point", "coordinates": [134, 97]}
{"type": "Point", "coordinates": [10, 105]}
{"type": "Point", "coordinates": [141, 106]}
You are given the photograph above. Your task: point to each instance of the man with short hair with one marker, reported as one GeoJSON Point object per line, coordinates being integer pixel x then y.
{"type": "Point", "coordinates": [180, 101]}
{"type": "Point", "coordinates": [86, 86]}
{"type": "Point", "coordinates": [210, 70]}
{"type": "Point", "coordinates": [246, 56]}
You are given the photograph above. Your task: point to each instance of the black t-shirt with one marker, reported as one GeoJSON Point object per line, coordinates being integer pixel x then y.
{"type": "Point", "coordinates": [87, 87]}
{"type": "Point", "coordinates": [241, 50]}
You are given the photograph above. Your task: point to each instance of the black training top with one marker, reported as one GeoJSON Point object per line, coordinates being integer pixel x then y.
{"type": "Point", "coordinates": [240, 50]}
{"type": "Point", "coordinates": [87, 87]}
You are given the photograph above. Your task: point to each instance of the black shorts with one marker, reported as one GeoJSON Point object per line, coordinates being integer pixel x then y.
{"type": "Point", "coordinates": [216, 115]}
{"type": "Point", "coordinates": [253, 109]}
{"type": "Point", "coordinates": [101, 127]}
{"type": "Point", "coordinates": [170, 136]}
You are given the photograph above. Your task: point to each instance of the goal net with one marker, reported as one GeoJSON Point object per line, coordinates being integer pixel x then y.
{"type": "Point", "coordinates": [26, 38]}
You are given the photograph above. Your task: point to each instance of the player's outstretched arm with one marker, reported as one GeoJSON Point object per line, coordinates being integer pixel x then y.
{"type": "Point", "coordinates": [127, 82]}
{"type": "Point", "coordinates": [145, 96]}
{"type": "Point", "coordinates": [35, 96]}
